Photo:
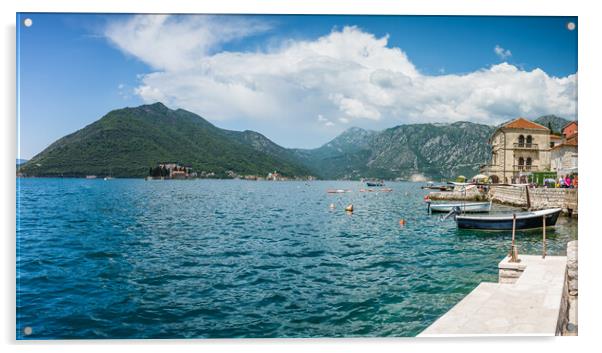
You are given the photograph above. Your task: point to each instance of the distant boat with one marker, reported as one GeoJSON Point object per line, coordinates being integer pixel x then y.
{"type": "Point", "coordinates": [109, 177]}
{"type": "Point", "coordinates": [465, 207]}
{"type": "Point", "coordinates": [90, 176]}
{"type": "Point", "coordinates": [375, 183]}
{"type": "Point", "coordinates": [337, 191]}
{"type": "Point", "coordinates": [524, 220]}
{"type": "Point", "coordinates": [377, 190]}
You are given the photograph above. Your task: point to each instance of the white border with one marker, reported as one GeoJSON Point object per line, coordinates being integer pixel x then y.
{"type": "Point", "coordinates": [590, 101]}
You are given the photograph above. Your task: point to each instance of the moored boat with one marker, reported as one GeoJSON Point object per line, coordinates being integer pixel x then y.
{"type": "Point", "coordinates": [372, 183]}
{"type": "Point", "coordinates": [524, 220]}
{"type": "Point", "coordinates": [337, 191]}
{"type": "Point", "coordinates": [465, 207]}
{"type": "Point", "coordinates": [431, 186]}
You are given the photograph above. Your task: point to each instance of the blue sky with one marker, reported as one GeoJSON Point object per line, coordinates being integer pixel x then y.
{"type": "Point", "coordinates": [299, 80]}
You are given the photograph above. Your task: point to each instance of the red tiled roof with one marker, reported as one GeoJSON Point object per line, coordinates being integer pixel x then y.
{"type": "Point", "coordinates": [573, 142]}
{"type": "Point", "coordinates": [522, 123]}
{"type": "Point", "coordinates": [556, 137]}
{"type": "Point", "coordinates": [569, 123]}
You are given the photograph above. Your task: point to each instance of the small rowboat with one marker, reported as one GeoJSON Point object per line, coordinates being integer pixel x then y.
{"type": "Point", "coordinates": [524, 220]}
{"type": "Point", "coordinates": [465, 207]}
{"type": "Point", "coordinates": [377, 190]}
{"type": "Point", "coordinates": [337, 191]}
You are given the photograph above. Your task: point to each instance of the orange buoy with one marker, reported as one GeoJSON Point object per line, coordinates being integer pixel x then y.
{"type": "Point", "coordinates": [349, 208]}
{"type": "Point", "coordinates": [402, 222]}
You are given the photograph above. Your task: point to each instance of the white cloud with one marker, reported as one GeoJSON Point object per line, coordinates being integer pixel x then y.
{"type": "Point", "coordinates": [347, 75]}
{"type": "Point", "coordinates": [170, 42]}
{"type": "Point", "coordinates": [502, 53]}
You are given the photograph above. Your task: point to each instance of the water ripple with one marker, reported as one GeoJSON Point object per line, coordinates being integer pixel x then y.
{"type": "Point", "coordinates": [211, 258]}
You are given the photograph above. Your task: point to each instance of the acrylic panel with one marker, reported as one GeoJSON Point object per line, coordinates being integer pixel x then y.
{"type": "Point", "coordinates": [295, 176]}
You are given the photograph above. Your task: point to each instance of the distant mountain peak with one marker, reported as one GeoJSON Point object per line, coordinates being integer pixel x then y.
{"type": "Point", "coordinates": [127, 142]}
{"type": "Point", "coordinates": [552, 121]}
{"type": "Point", "coordinates": [155, 107]}
{"type": "Point", "coordinates": [355, 129]}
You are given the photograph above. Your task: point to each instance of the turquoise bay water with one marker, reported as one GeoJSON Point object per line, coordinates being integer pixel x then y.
{"type": "Point", "coordinates": [228, 258]}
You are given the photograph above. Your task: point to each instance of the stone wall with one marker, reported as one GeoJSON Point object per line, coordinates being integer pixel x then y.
{"type": "Point", "coordinates": [572, 288]}
{"type": "Point", "coordinates": [472, 194]}
{"type": "Point", "coordinates": [540, 198]}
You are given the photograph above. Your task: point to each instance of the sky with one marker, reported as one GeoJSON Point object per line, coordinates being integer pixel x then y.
{"type": "Point", "coordinates": [299, 80]}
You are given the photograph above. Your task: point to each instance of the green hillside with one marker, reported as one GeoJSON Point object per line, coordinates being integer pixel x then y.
{"type": "Point", "coordinates": [126, 142]}
{"type": "Point", "coordinates": [435, 150]}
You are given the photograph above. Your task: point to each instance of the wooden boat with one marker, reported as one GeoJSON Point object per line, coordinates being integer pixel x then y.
{"type": "Point", "coordinates": [337, 191]}
{"type": "Point", "coordinates": [524, 220]}
{"type": "Point", "coordinates": [431, 186]}
{"type": "Point", "coordinates": [465, 207]}
{"type": "Point", "coordinates": [377, 190]}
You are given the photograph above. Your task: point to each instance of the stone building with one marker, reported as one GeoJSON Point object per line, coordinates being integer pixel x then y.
{"type": "Point", "coordinates": [563, 159]}
{"type": "Point", "coordinates": [518, 148]}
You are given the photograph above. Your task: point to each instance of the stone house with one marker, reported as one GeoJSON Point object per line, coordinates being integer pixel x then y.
{"type": "Point", "coordinates": [518, 148]}
{"type": "Point", "coordinates": [564, 154]}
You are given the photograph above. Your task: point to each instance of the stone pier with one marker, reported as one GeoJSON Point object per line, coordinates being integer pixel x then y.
{"type": "Point", "coordinates": [528, 300]}
{"type": "Point", "coordinates": [539, 198]}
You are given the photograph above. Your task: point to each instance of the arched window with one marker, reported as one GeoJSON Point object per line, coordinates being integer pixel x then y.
{"type": "Point", "coordinates": [529, 161]}
{"type": "Point", "coordinates": [529, 141]}
{"type": "Point", "coordinates": [521, 141]}
{"type": "Point", "coordinates": [521, 161]}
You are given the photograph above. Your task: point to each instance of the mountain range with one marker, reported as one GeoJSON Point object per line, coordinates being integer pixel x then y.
{"type": "Point", "coordinates": [127, 142]}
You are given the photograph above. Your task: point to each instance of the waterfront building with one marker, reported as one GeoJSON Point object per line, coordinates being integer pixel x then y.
{"type": "Point", "coordinates": [555, 140]}
{"type": "Point", "coordinates": [564, 154]}
{"type": "Point", "coordinates": [172, 170]}
{"type": "Point", "coordinates": [275, 176]}
{"type": "Point", "coordinates": [518, 148]}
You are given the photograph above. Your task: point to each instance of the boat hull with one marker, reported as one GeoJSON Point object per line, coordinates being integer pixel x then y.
{"type": "Point", "coordinates": [468, 207]}
{"type": "Point", "coordinates": [505, 223]}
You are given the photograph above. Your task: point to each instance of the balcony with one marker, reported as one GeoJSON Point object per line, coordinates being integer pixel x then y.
{"type": "Point", "coordinates": [526, 146]}
{"type": "Point", "coordinates": [524, 168]}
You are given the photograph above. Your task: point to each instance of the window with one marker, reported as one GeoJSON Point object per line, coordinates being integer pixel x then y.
{"type": "Point", "coordinates": [521, 161]}
{"type": "Point", "coordinates": [529, 161]}
{"type": "Point", "coordinates": [521, 141]}
{"type": "Point", "coordinates": [529, 141]}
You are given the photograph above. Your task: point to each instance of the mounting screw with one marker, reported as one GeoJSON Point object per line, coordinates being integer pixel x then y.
{"type": "Point", "coordinates": [571, 26]}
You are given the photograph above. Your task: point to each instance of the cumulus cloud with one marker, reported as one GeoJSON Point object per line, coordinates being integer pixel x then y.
{"type": "Point", "coordinates": [177, 42]}
{"type": "Point", "coordinates": [348, 75]}
{"type": "Point", "coordinates": [502, 53]}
